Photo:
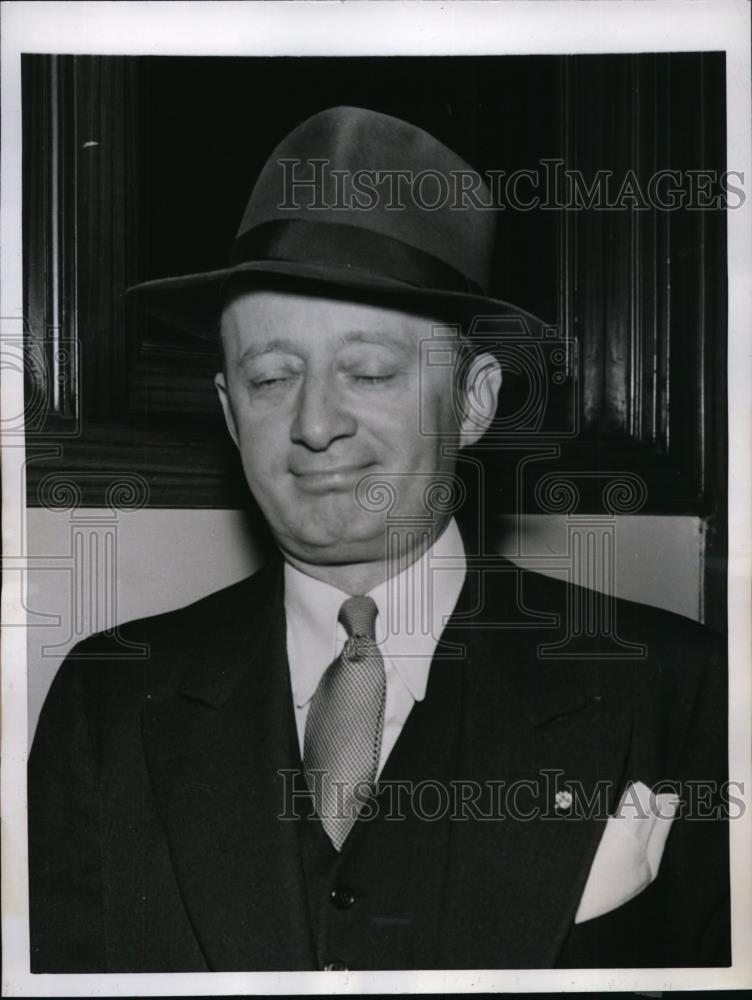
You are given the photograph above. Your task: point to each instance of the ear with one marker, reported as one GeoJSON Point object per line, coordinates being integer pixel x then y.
{"type": "Point", "coordinates": [480, 398]}
{"type": "Point", "coordinates": [224, 398]}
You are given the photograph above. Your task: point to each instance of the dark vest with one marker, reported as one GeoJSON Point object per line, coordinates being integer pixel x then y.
{"type": "Point", "coordinates": [367, 902]}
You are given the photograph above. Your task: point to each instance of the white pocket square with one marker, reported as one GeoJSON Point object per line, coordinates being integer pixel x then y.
{"type": "Point", "coordinates": [630, 851]}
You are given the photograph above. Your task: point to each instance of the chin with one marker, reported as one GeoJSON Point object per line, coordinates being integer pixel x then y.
{"type": "Point", "coordinates": [334, 541]}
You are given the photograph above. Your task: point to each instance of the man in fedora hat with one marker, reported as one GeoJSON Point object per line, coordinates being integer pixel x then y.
{"type": "Point", "coordinates": [359, 758]}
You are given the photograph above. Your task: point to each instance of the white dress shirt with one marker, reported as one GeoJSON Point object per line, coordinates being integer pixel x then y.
{"type": "Point", "coordinates": [413, 608]}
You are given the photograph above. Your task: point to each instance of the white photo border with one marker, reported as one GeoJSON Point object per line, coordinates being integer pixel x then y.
{"type": "Point", "coordinates": [308, 27]}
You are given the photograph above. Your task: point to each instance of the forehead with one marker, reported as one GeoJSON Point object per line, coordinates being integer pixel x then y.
{"type": "Point", "coordinates": [260, 315]}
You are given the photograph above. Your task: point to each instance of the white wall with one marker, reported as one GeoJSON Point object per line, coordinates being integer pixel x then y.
{"type": "Point", "coordinates": [90, 568]}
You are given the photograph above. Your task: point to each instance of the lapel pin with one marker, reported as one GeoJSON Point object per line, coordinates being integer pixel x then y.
{"type": "Point", "coordinates": [563, 801]}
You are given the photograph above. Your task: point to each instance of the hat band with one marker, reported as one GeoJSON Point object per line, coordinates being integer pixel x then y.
{"type": "Point", "coordinates": [340, 245]}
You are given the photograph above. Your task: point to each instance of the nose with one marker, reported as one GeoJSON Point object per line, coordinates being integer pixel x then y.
{"type": "Point", "coordinates": [320, 416]}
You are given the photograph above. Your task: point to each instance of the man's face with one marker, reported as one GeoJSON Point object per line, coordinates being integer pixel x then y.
{"type": "Point", "coordinates": [320, 393]}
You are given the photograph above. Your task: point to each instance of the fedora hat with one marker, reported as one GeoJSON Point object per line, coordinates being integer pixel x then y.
{"type": "Point", "coordinates": [353, 203]}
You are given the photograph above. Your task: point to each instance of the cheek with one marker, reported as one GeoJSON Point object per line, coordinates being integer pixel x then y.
{"type": "Point", "coordinates": [261, 444]}
{"type": "Point", "coordinates": [397, 416]}
{"type": "Point", "coordinates": [429, 421]}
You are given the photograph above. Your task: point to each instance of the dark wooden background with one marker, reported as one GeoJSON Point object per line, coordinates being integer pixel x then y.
{"type": "Point", "coordinates": [138, 168]}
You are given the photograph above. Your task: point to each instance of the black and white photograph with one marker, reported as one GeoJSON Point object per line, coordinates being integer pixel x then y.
{"type": "Point", "coordinates": [375, 497]}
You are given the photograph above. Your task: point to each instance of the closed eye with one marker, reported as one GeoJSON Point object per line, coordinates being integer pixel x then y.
{"type": "Point", "coordinates": [372, 379]}
{"type": "Point", "coordinates": [261, 382]}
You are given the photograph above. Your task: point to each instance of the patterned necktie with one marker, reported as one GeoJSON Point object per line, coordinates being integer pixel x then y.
{"type": "Point", "coordinates": [343, 728]}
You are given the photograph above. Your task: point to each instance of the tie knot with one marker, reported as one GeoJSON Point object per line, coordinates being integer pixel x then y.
{"type": "Point", "coordinates": [358, 617]}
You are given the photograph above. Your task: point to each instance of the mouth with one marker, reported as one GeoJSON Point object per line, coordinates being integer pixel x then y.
{"type": "Point", "coordinates": [341, 478]}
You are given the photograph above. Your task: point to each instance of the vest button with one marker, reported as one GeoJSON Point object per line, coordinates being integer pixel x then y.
{"type": "Point", "coordinates": [334, 967]}
{"type": "Point", "coordinates": [341, 897]}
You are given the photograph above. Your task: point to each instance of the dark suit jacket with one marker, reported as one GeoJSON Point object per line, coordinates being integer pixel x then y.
{"type": "Point", "coordinates": [155, 791]}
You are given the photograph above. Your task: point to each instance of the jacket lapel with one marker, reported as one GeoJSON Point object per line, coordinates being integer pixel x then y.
{"type": "Point", "coordinates": [215, 752]}
{"type": "Point", "coordinates": [530, 728]}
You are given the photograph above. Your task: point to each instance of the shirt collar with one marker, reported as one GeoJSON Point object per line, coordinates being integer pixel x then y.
{"type": "Point", "coordinates": [413, 606]}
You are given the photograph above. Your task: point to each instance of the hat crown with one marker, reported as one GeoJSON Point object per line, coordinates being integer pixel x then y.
{"type": "Point", "coordinates": [377, 174]}
{"type": "Point", "coordinates": [355, 203]}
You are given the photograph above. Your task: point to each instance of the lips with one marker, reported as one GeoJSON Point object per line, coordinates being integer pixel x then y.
{"type": "Point", "coordinates": [339, 478]}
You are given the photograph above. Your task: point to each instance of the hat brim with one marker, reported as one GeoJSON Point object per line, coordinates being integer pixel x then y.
{"type": "Point", "coordinates": [193, 302]}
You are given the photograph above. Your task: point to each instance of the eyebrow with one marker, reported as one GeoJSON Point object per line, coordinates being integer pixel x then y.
{"type": "Point", "coordinates": [376, 337]}
{"type": "Point", "coordinates": [278, 344]}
